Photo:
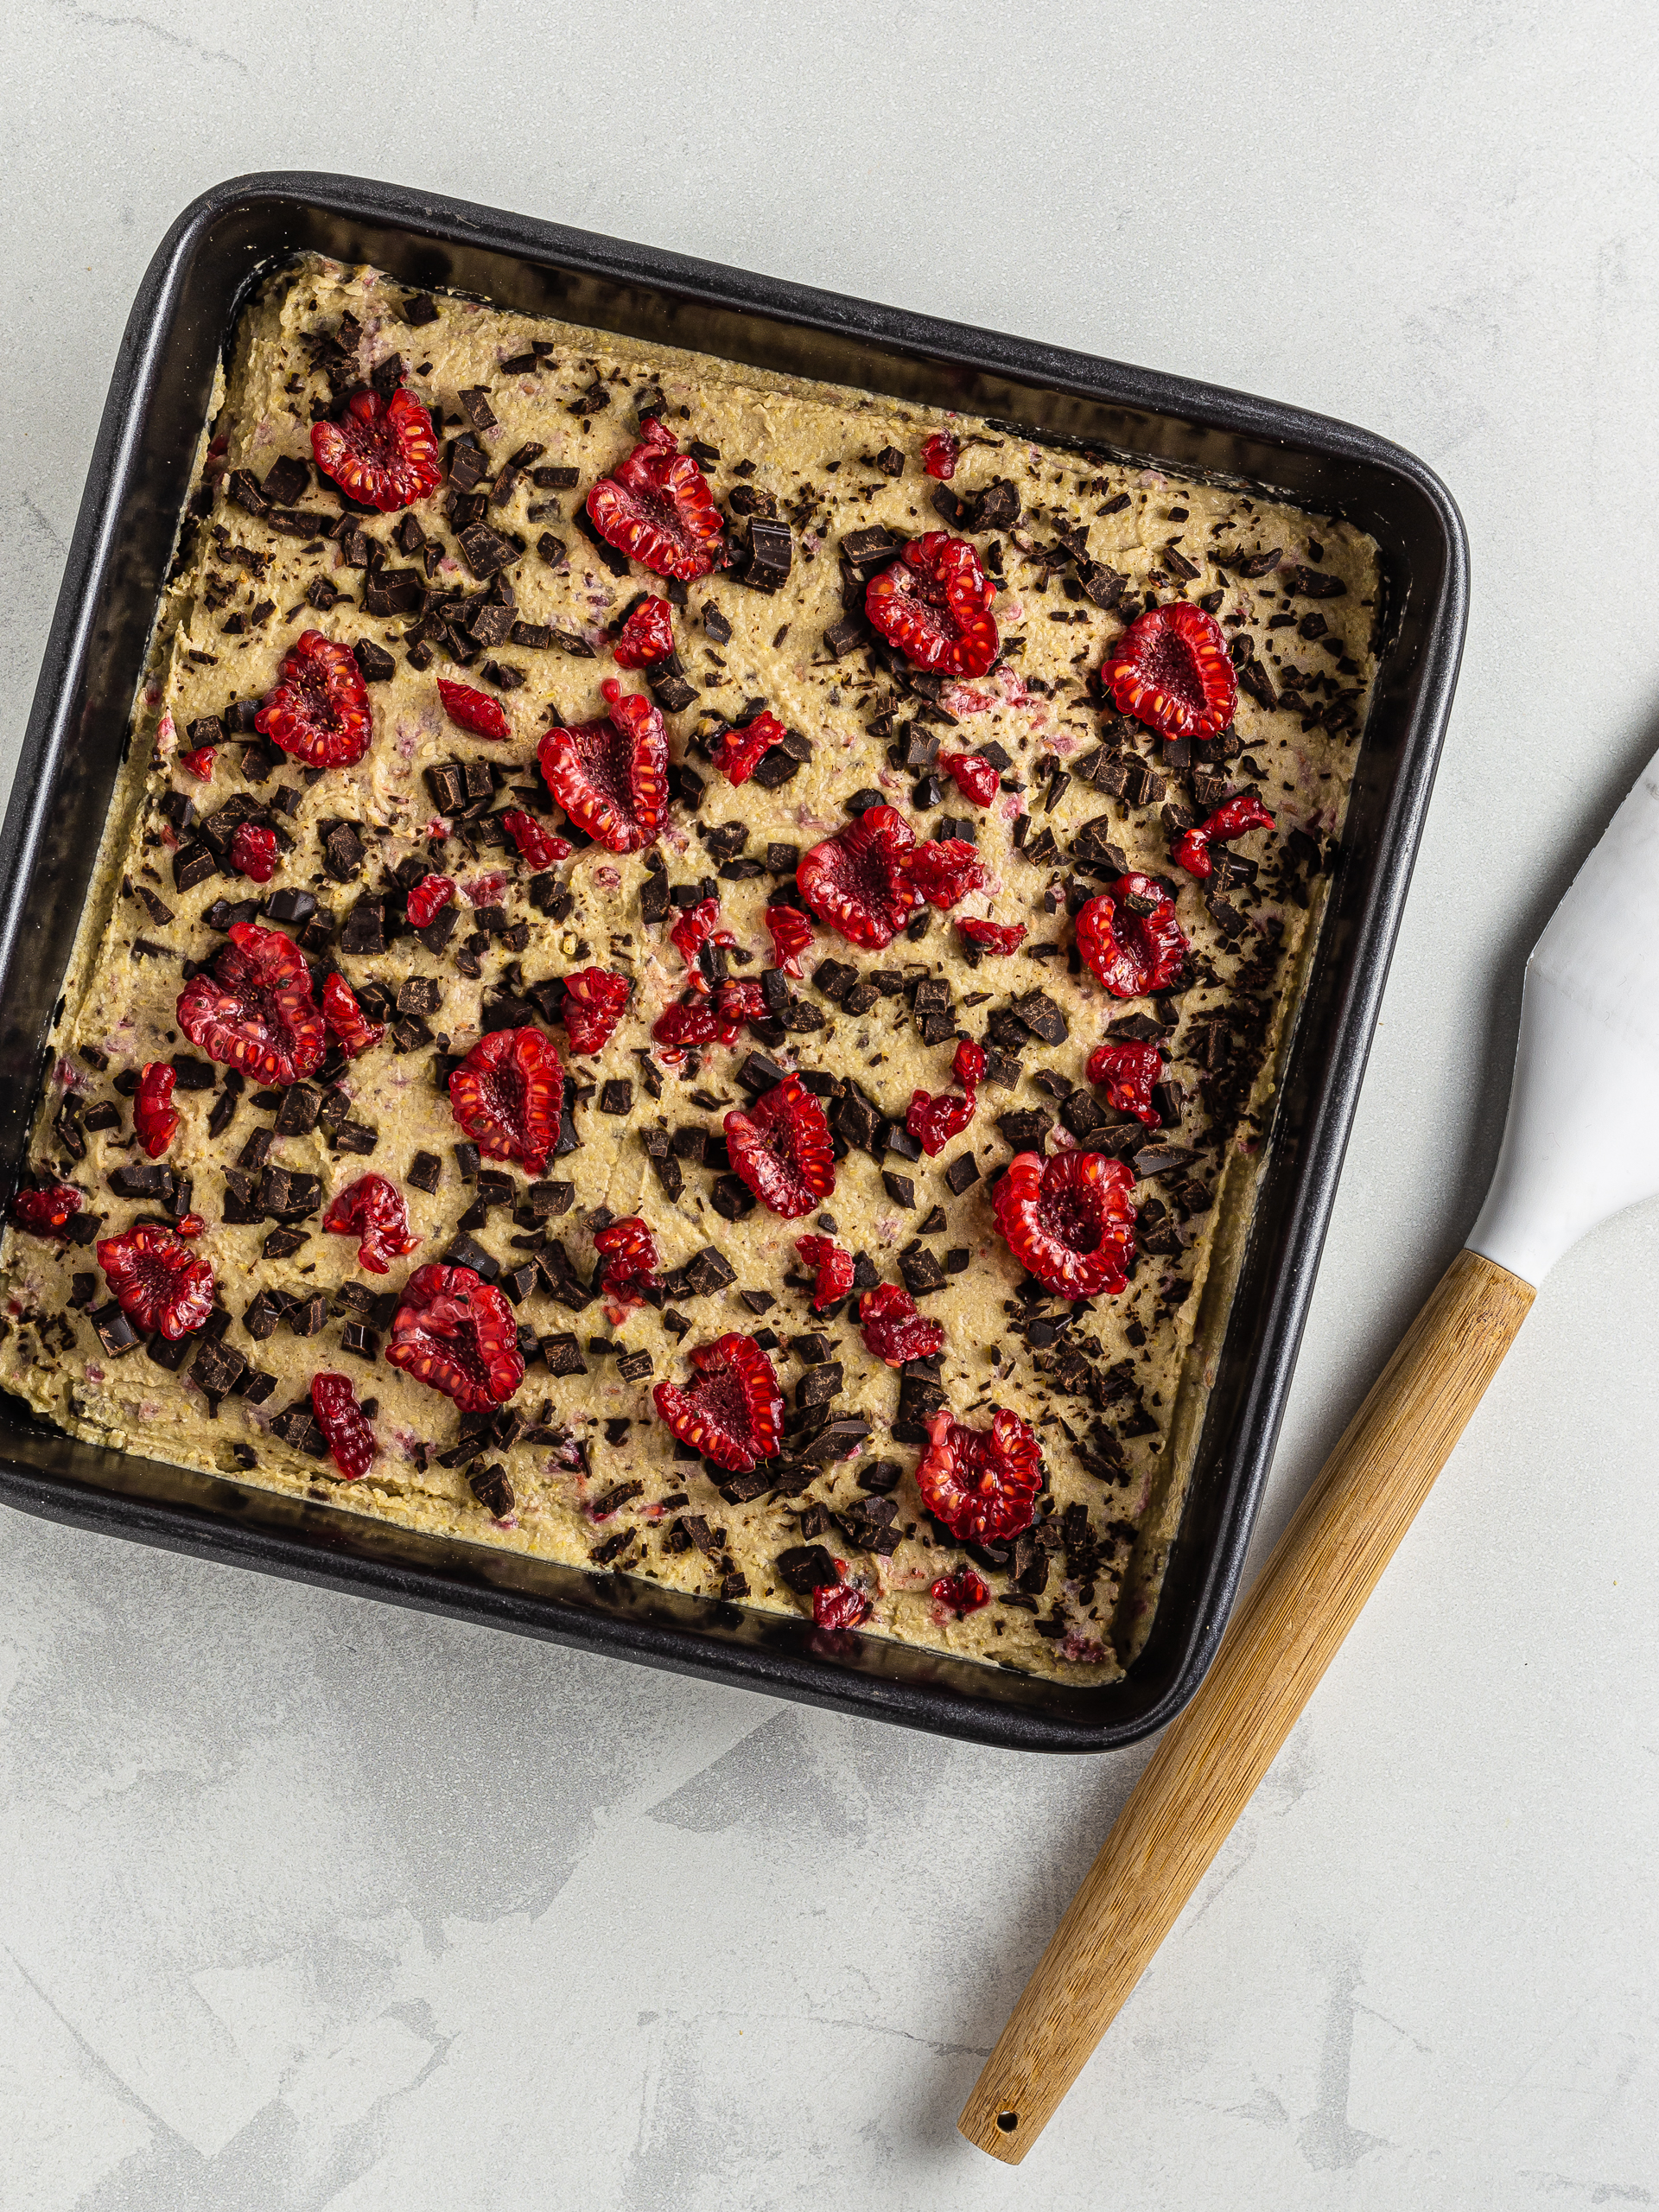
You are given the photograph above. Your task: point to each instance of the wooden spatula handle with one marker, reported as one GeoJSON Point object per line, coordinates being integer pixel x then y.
{"type": "Point", "coordinates": [1280, 1642]}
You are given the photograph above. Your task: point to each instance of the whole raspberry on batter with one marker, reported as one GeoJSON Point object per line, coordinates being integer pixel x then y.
{"type": "Point", "coordinates": [506, 1095]}
{"type": "Point", "coordinates": [611, 776]}
{"type": "Point", "coordinates": [318, 709]}
{"type": "Point", "coordinates": [1068, 1221]}
{"type": "Point", "coordinates": [1130, 937]}
{"type": "Point", "coordinates": [1171, 669]}
{"type": "Point", "coordinates": [656, 508]}
{"type": "Point", "coordinates": [732, 1410]}
{"type": "Point", "coordinates": [781, 1149]}
{"type": "Point", "coordinates": [381, 452]}
{"type": "Point", "coordinates": [457, 1334]}
{"type": "Point", "coordinates": [982, 1483]}
{"type": "Point", "coordinates": [934, 604]}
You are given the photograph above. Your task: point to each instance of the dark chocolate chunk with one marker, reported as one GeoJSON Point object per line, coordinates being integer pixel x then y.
{"type": "Point", "coordinates": [962, 1173]}
{"type": "Point", "coordinates": [634, 1366]}
{"type": "Point", "coordinates": [297, 1115]}
{"type": "Point", "coordinates": [898, 1188]}
{"type": "Point", "coordinates": [616, 1097]}
{"type": "Point", "coordinates": [365, 930]}
{"type": "Point", "coordinates": [115, 1332]}
{"type": "Point", "coordinates": [564, 1355]}
{"type": "Point", "coordinates": [920, 1270]}
{"type": "Point", "coordinates": [732, 1198]}
{"type": "Point", "coordinates": [1042, 1017]}
{"type": "Point", "coordinates": [807, 1568]}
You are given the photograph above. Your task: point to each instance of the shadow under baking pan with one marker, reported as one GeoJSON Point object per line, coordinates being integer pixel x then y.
{"type": "Point", "coordinates": [124, 537]}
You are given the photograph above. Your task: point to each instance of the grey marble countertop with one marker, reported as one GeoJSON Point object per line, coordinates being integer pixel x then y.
{"type": "Point", "coordinates": [308, 1902]}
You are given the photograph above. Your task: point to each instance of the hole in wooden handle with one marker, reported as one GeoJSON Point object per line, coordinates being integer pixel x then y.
{"type": "Point", "coordinates": [1008, 2121]}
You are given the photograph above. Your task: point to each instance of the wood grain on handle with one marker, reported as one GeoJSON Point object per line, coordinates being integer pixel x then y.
{"type": "Point", "coordinates": [1280, 1642]}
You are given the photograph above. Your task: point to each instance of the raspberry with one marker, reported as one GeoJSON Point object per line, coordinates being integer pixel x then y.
{"type": "Point", "coordinates": [968, 1064]}
{"type": "Point", "coordinates": [858, 882]}
{"type": "Point", "coordinates": [373, 1211]}
{"type": "Point", "coordinates": [781, 1149]}
{"type": "Point", "coordinates": [629, 1250]}
{"type": "Point", "coordinates": [791, 932]}
{"type": "Point", "coordinates": [429, 898]}
{"type": "Point", "coordinates": [961, 1593]}
{"type": "Point", "coordinates": [944, 870]}
{"type": "Point", "coordinates": [684, 1027]}
{"type": "Point", "coordinates": [892, 1329]}
{"type": "Point", "coordinates": [456, 1334]}
{"type": "Point", "coordinates": [611, 776]}
{"type": "Point", "coordinates": [656, 508]}
{"type": "Point", "coordinates": [158, 1281]}
{"type": "Point", "coordinates": [473, 710]}
{"type": "Point", "coordinates": [737, 1000]}
{"type": "Point", "coordinates": [341, 1419]}
{"type": "Point", "coordinates": [1234, 817]}
{"type": "Point", "coordinates": [933, 1122]}
{"type": "Point", "coordinates": [536, 846]}
{"type": "Point", "coordinates": [994, 937]}
{"type": "Point", "coordinates": [1170, 669]}
{"type": "Point", "coordinates": [506, 1095]}
{"type": "Point", "coordinates": [833, 1268]}
{"type": "Point", "coordinates": [1130, 937]}
{"type": "Point", "coordinates": [982, 1483]}
{"type": "Point", "coordinates": [483, 890]}
{"type": "Point", "coordinates": [43, 1213]}
{"type": "Point", "coordinates": [254, 1011]}
{"type": "Point", "coordinates": [940, 452]}
{"type": "Point", "coordinates": [1129, 1072]}
{"type": "Point", "coordinates": [738, 753]}
{"type": "Point", "coordinates": [733, 1410]}
{"type": "Point", "coordinates": [593, 1000]}
{"type": "Point", "coordinates": [154, 1115]}
{"type": "Point", "coordinates": [934, 604]}
{"type": "Point", "coordinates": [973, 776]}
{"type": "Point", "coordinates": [198, 763]}
{"type": "Point", "coordinates": [253, 852]}
{"type": "Point", "coordinates": [1068, 1221]}
{"type": "Point", "coordinates": [347, 1024]}
{"type": "Point", "coordinates": [698, 926]}
{"type": "Point", "coordinates": [318, 709]}
{"type": "Point", "coordinates": [837, 1604]}
{"type": "Point", "coordinates": [647, 635]}
{"type": "Point", "coordinates": [189, 1224]}
{"type": "Point", "coordinates": [381, 452]}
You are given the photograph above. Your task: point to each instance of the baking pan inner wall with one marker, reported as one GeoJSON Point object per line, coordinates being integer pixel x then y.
{"type": "Point", "coordinates": [159, 400]}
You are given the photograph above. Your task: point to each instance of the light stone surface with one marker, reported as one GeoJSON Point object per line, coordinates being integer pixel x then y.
{"type": "Point", "coordinates": [310, 1903]}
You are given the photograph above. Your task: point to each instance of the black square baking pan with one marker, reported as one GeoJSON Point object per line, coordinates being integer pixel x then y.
{"type": "Point", "coordinates": [158, 401]}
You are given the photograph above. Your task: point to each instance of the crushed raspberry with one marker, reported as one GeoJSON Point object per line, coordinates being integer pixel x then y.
{"type": "Point", "coordinates": [428, 899]}
{"type": "Point", "coordinates": [961, 1593]}
{"type": "Point", "coordinates": [656, 508]}
{"type": "Point", "coordinates": [994, 937]}
{"type": "Point", "coordinates": [940, 452]}
{"type": "Point", "coordinates": [699, 925]}
{"type": "Point", "coordinates": [472, 711]}
{"type": "Point", "coordinates": [1170, 670]}
{"type": "Point", "coordinates": [682, 1028]}
{"type": "Point", "coordinates": [1068, 1221]}
{"type": "Point", "coordinates": [200, 763]}
{"type": "Point", "coordinates": [593, 1000]}
{"type": "Point", "coordinates": [43, 1213]}
{"type": "Point", "coordinates": [837, 1604]}
{"type": "Point", "coordinates": [1129, 1072]}
{"type": "Point", "coordinates": [733, 1410]}
{"type": "Point", "coordinates": [791, 932]}
{"type": "Point", "coordinates": [858, 880]}
{"type": "Point", "coordinates": [1234, 817]}
{"type": "Point", "coordinates": [968, 1064]}
{"type": "Point", "coordinates": [647, 637]}
{"type": "Point", "coordinates": [189, 1224]}
{"type": "Point", "coordinates": [318, 709]}
{"type": "Point", "coordinates": [506, 1095]}
{"type": "Point", "coordinates": [341, 1419]}
{"type": "Point", "coordinates": [154, 1115]}
{"type": "Point", "coordinates": [973, 776]}
{"type": "Point", "coordinates": [483, 890]}
{"type": "Point", "coordinates": [611, 776]}
{"type": "Point", "coordinates": [254, 1009]}
{"type": "Point", "coordinates": [1130, 937]}
{"type": "Point", "coordinates": [738, 753]}
{"type": "Point", "coordinates": [892, 1329]}
{"type": "Point", "coordinates": [158, 1281]}
{"type": "Point", "coordinates": [457, 1334]}
{"type": "Point", "coordinates": [629, 1251]}
{"type": "Point", "coordinates": [253, 852]}
{"type": "Point", "coordinates": [944, 870]}
{"type": "Point", "coordinates": [382, 452]}
{"type": "Point", "coordinates": [738, 999]}
{"type": "Point", "coordinates": [781, 1149]}
{"type": "Point", "coordinates": [373, 1211]}
{"type": "Point", "coordinates": [982, 1483]}
{"type": "Point", "coordinates": [537, 846]}
{"type": "Point", "coordinates": [348, 1025]}
{"type": "Point", "coordinates": [934, 1120]}
{"type": "Point", "coordinates": [934, 604]}
{"type": "Point", "coordinates": [834, 1268]}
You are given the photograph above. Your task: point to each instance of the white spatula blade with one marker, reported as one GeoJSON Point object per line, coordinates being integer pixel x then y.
{"type": "Point", "coordinates": [1582, 1139]}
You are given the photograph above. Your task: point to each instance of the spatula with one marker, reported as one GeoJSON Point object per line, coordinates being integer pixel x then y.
{"type": "Point", "coordinates": [1589, 1027]}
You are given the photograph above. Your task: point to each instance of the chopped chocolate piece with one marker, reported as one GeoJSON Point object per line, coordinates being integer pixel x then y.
{"type": "Point", "coordinates": [364, 932]}
{"type": "Point", "coordinates": [1160, 1159]}
{"type": "Point", "coordinates": [1042, 1017]}
{"type": "Point", "coordinates": [115, 1332]}
{"type": "Point", "coordinates": [564, 1355]}
{"type": "Point", "coordinates": [920, 1270]}
{"type": "Point", "coordinates": [634, 1366]}
{"type": "Point", "coordinates": [807, 1568]}
{"type": "Point", "coordinates": [484, 550]}
{"type": "Point", "coordinates": [467, 1252]}
{"type": "Point", "coordinates": [616, 1097]}
{"type": "Point", "coordinates": [297, 1115]}
{"type": "Point", "coordinates": [1025, 1131]}
{"type": "Point", "coordinates": [296, 1427]}
{"type": "Point", "coordinates": [962, 1173]}
{"type": "Point", "coordinates": [898, 1188]}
